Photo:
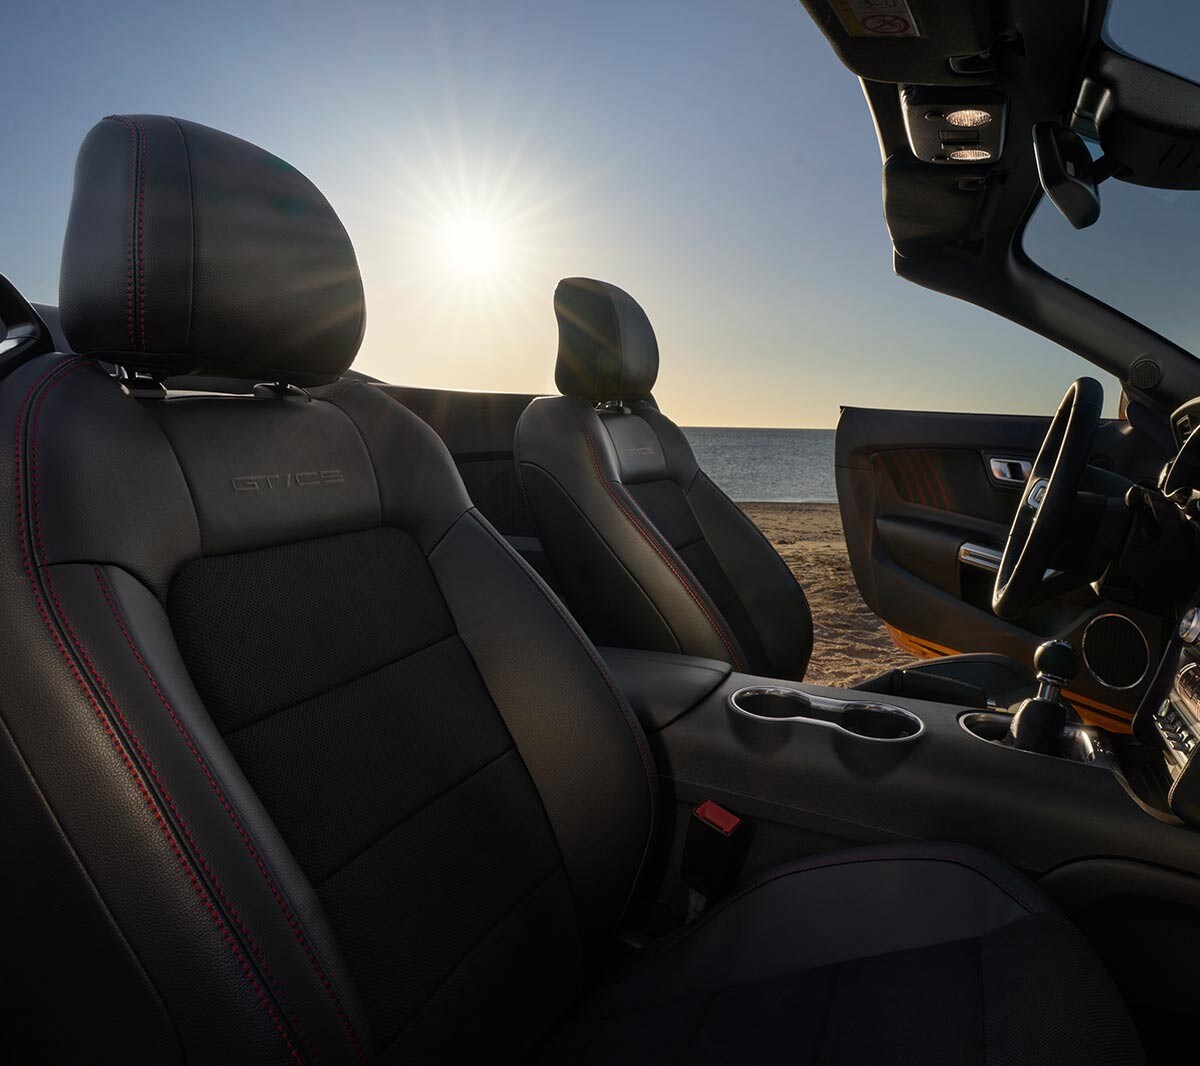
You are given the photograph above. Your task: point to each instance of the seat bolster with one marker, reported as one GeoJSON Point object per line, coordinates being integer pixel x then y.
{"type": "Point", "coordinates": [577, 736]}
{"type": "Point", "coordinates": [95, 476]}
{"type": "Point", "coordinates": [166, 826]}
{"type": "Point", "coordinates": [63, 946]}
{"type": "Point", "coordinates": [831, 909]}
{"type": "Point", "coordinates": [768, 589]}
{"type": "Point", "coordinates": [420, 489]}
{"type": "Point", "coordinates": [562, 448]}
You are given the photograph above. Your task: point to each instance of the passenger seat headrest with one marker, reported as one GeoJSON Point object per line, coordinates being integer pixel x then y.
{"type": "Point", "coordinates": [188, 250]}
{"type": "Point", "coordinates": [606, 345]}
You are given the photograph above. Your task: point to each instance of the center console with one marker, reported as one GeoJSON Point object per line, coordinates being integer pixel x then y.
{"type": "Point", "coordinates": [827, 767]}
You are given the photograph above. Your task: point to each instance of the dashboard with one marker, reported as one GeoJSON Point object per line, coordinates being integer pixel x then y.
{"type": "Point", "coordinates": [1175, 717]}
{"type": "Point", "coordinates": [1180, 478]}
{"type": "Point", "coordinates": [1170, 714]}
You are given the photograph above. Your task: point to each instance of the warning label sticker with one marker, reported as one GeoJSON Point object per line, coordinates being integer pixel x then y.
{"type": "Point", "coordinates": [876, 18]}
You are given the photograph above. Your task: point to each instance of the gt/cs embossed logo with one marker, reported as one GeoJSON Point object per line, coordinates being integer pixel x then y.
{"type": "Point", "coordinates": [633, 453]}
{"type": "Point", "coordinates": [302, 479]}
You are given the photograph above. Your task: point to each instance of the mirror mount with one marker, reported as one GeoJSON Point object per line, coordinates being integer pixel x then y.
{"type": "Point", "coordinates": [1068, 173]}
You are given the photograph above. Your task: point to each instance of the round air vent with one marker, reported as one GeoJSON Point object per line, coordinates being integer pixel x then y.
{"type": "Point", "coordinates": [1115, 651]}
{"type": "Point", "coordinates": [1145, 373]}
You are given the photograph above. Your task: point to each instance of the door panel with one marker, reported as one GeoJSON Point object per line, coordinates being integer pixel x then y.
{"type": "Point", "coordinates": [926, 502]}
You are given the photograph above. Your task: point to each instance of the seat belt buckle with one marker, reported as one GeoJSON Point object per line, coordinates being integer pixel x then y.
{"type": "Point", "coordinates": [714, 849]}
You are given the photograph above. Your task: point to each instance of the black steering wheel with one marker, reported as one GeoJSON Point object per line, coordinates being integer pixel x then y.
{"type": "Point", "coordinates": [1046, 504]}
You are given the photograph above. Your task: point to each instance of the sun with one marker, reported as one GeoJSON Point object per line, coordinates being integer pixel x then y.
{"type": "Point", "coordinates": [474, 244]}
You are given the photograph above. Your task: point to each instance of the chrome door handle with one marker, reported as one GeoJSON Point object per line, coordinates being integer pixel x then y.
{"type": "Point", "coordinates": [980, 556]}
{"type": "Point", "coordinates": [1010, 471]}
{"type": "Point", "coordinates": [983, 557]}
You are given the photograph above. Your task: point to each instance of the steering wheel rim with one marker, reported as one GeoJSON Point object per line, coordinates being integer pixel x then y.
{"type": "Point", "coordinates": [1045, 508]}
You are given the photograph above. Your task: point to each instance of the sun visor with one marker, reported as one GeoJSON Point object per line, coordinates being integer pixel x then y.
{"type": "Point", "coordinates": [928, 42]}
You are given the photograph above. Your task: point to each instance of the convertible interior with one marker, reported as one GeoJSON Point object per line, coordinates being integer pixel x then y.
{"type": "Point", "coordinates": [347, 721]}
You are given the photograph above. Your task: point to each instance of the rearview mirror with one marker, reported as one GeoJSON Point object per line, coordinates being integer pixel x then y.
{"type": "Point", "coordinates": [1065, 168]}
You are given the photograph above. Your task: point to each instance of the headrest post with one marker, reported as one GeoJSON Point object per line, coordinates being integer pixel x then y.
{"type": "Point", "coordinates": [280, 390]}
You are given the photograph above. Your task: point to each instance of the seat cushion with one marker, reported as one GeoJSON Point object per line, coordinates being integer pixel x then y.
{"type": "Point", "coordinates": [923, 954]}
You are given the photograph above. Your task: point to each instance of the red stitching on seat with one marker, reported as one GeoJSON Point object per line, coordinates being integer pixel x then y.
{"type": "Point", "coordinates": [734, 657]}
{"type": "Point", "coordinates": [67, 369]}
{"type": "Point", "coordinates": [242, 832]}
{"type": "Point", "coordinates": [132, 212]}
{"type": "Point", "coordinates": [145, 141]}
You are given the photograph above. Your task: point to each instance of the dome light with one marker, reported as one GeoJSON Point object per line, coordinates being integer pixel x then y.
{"type": "Point", "coordinates": [970, 155]}
{"type": "Point", "coordinates": [968, 118]}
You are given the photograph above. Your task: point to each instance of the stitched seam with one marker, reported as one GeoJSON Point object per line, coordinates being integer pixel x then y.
{"type": "Point", "coordinates": [737, 660]}
{"type": "Point", "coordinates": [589, 648]}
{"type": "Point", "coordinates": [144, 142]}
{"type": "Point", "coordinates": [132, 187]}
{"type": "Point", "coordinates": [805, 867]}
{"type": "Point", "coordinates": [89, 881]}
{"type": "Point", "coordinates": [292, 921]}
{"type": "Point", "coordinates": [409, 815]}
{"type": "Point", "coordinates": [340, 685]}
{"type": "Point", "coordinates": [611, 555]}
{"type": "Point", "coordinates": [783, 568]}
{"type": "Point", "coordinates": [39, 556]}
{"type": "Point", "coordinates": [23, 532]}
{"type": "Point", "coordinates": [187, 156]}
{"type": "Point", "coordinates": [148, 763]}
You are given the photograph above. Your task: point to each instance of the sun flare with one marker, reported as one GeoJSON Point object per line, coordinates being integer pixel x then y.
{"type": "Point", "coordinates": [474, 245]}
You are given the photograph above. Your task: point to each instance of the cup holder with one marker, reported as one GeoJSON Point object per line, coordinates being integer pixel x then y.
{"type": "Point", "coordinates": [880, 722]}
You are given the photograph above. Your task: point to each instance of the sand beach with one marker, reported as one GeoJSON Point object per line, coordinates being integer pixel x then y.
{"type": "Point", "coordinates": [850, 643]}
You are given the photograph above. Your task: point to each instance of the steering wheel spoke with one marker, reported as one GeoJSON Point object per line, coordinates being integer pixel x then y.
{"type": "Point", "coordinates": [1043, 517]}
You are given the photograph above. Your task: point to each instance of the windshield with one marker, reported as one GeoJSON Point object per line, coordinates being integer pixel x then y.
{"type": "Point", "coordinates": [1141, 258]}
{"type": "Point", "coordinates": [1162, 32]}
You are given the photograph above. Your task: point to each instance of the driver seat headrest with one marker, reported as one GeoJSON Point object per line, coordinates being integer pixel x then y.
{"type": "Point", "coordinates": [189, 250]}
{"type": "Point", "coordinates": [606, 346]}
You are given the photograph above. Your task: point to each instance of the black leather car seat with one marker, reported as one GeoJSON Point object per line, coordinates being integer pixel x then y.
{"type": "Point", "coordinates": [300, 763]}
{"type": "Point", "coordinates": [646, 550]}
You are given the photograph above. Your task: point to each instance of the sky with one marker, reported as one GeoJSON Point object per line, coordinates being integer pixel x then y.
{"type": "Point", "coordinates": [712, 158]}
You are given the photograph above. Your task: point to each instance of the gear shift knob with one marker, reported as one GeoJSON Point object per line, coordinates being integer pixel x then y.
{"type": "Point", "coordinates": [1056, 661]}
{"type": "Point", "coordinates": [1038, 723]}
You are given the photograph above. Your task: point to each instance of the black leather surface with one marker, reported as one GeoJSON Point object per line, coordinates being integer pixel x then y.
{"type": "Point", "coordinates": [197, 866]}
{"type": "Point", "coordinates": [648, 552]}
{"type": "Point", "coordinates": [188, 249]}
{"type": "Point", "coordinates": [303, 769]}
{"type": "Point", "coordinates": [618, 574]}
{"type": "Point", "coordinates": [606, 346]}
{"type": "Point", "coordinates": [907, 954]}
{"type": "Point", "coordinates": [659, 686]}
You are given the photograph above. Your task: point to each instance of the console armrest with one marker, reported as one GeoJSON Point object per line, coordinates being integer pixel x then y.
{"type": "Point", "coordinates": [660, 686]}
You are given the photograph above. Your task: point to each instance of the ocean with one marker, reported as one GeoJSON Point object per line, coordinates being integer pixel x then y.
{"type": "Point", "coordinates": [767, 465]}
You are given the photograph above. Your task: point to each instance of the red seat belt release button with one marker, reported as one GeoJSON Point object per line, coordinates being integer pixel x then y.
{"type": "Point", "coordinates": [714, 815]}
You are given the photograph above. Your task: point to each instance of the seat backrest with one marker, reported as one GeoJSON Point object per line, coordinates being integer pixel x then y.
{"type": "Point", "coordinates": [647, 551]}
{"type": "Point", "coordinates": [299, 762]}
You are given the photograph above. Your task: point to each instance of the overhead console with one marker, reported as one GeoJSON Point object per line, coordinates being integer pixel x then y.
{"type": "Point", "coordinates": [926, 41]}
{"type": "Point", "coordinates": [954, 126]}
